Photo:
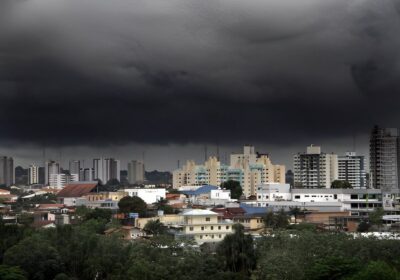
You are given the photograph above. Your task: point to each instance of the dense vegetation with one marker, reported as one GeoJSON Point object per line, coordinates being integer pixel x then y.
{"type": "Point", "coordinates": [82, 251]}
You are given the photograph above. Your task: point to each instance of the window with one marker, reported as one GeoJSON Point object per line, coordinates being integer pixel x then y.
{"type": "Point", "coordinates": [220, 236]}
{"type": "Point", "coordinates": [202, 228]}
{"type": "Point", "coordinates": [212, 228]}
{"type": "Point", "coordinates": [227, 227]}
{"type": "Point", "coordinates": [354, 196]}
{"type": "Point", "coordinates": [208, 219]}
{"type": "Point", "coordinates": [201, 236]}
{"type": "Point", "coordinates": [219, 227]}
{"type": "Point", "coordinates": [191, 228]}
{"type": "Point", "coordinates": [297, 196]}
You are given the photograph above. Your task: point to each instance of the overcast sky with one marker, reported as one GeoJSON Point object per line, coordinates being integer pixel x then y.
{"type": "Point", "coordinates": [165, 77]}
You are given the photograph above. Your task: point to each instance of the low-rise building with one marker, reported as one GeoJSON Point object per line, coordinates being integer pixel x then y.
{"type": "Point", "coordinates": [204, 226]}
{"type": "Point", "coordinates": [148, 195]}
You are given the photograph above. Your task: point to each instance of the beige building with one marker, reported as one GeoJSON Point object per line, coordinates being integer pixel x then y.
{"type": "Point", "coordinates": [204, 226]}
{"type": "Point", "coordinates": [249, 168]}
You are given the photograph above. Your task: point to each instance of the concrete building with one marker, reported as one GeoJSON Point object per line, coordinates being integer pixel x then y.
{"type": "Point", "coordinates": [33, 174]}
{"type": "Point", "coordinates": [51, 168]}
{"type": "Point", "coordinates": [351, 168]}
{"type": "Point", "coordinates": [249, 169]}
{"type": "Point", "coordinates": [7, 176]}
{"type": "Point", "coordinates": [58, 181]}
{"type": "Point", "coordinates": [105, 169]}
{"type": "Point", "coordinates": [384, 159]}
{"type": "Point", "coordinates": [315, 169]}
{"type": "Point", "coordinates": [136, 172]}
{"type": "Point", "coordinates": [148, 195]}
{"type": "Point", "coordinates": [204, 226]}
{"type": "Point", "coordinates": [75, 168]}
{"type": "Point", "coordinates": [359, 202]}
{"type": "Point", "coordinates": [86, 174]}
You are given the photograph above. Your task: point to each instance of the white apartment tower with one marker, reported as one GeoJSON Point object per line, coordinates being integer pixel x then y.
{"type": "Point", "coordinates": [315, 169]}
{"type": "Point", "coordinates": [33, 175]}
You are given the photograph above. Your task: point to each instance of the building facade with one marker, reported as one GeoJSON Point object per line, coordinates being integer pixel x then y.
{"type": "Point", "coordinates": [249, 169]}
{"type": "Point", "coordinates": [105, 169]}
{"type": "Point", "coordinates": [7, 176]}
{"type": "Point", "coordinates": [351, 168]}
{"type": "Point", "coordinates": [52, 168]}
{"type": "Point", "coordinates": [33, 175]}
{"type": "Point", "coordinates": [315, 169]}
{"type": "Point", "coordinates": [384, 159]}
{"type": "Point", "coordinates": [136, 172]}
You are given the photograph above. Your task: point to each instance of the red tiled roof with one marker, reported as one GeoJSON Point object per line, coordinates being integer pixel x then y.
{"type": "Point", "coordinates": [76, 190]}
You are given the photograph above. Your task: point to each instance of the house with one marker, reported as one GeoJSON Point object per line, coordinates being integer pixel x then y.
{"type": "Point", "coordinates": [72, 192]}
{"type": "Point", "coordinates": [204, 226]}
{"type": "Point", "coordinates": [148, 195]}
{"type": "Point", "coordinates": [126, 232]}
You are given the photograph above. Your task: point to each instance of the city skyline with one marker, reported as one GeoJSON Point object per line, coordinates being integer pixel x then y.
{"type": "Point", "coordinates": [170, 74]}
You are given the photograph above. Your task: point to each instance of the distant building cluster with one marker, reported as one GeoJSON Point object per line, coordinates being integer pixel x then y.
{"type": "Point", "coordinates": [248, 168]}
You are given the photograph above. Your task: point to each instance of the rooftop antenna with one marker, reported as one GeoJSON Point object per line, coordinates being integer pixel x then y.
{"type": "Point", "coordinates": [205, 152]}
{"type": "Point", "coordinates": [179, 164]}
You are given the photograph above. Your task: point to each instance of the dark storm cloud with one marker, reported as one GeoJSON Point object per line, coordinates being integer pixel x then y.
{"type": "Point", "coordinates": [102, 72]}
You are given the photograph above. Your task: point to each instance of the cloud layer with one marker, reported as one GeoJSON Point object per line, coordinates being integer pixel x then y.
{"type": "Point", "coordinates": [101, 72]}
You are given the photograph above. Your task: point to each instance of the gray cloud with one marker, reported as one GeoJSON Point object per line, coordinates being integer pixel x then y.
{"type": "Point", "coordinates": [114, 72]}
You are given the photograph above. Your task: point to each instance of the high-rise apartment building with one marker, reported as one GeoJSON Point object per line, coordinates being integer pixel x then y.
{"type": "Point", "coordinates": [106, 169]}
{"type": "Point", "coordinates": [249, 168]}
{"type": "Point", "coordinates": [51, 168]}
{"type": "Point", "coordinates": [352, 169]}
{"type": "Point", "coordinates": [7, 171]}
{"type": "Point", "coordinates": [33, 174]}
{"type": "Point", "coordinates": [135, 172]}
{"type": "Point", "coordinates": [315, 169]}
{"type": "Point", "coordinates": [74, 168]}
{"type": "Point", "coordinates": [384, 159]}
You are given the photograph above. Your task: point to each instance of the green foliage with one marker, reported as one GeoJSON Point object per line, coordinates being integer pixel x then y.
{"type": "Point", "coordinates": [276, 220]}
{"type": "Point", "coordinates": [237, 250]}
{"type": "Point", "coordinates": [155, 227]}
{"type": "Point", "coordinates": [133, 204]}
{"type": "Point", "coordinates": [378, 270]}
{"type": "Point", "coordinates": [35, 256]}
{"type": "Point", "coordinates": [234, 187]}
{"type": "Point", "coordinates": [340, 184]}
{"type": "Point", "coordinates": [333, 268]}
{"type": "Point", "coordinates": [11, 273]}
{"type": "Point", "coordinates": [363, 226]}
{"type": "Point", "coordinates": [97, 213]}
{"type": "Point", "coordinates": [375, 217]}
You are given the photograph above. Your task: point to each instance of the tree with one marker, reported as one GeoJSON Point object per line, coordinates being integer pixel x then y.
{"type": "Point", "coordinates": [155, 227]}
{"type": "Point", "coordinates": [295, 211]}
{"type": "Point", "coordinates": [281, 219]}
{"type": "Point", "coordinates": [276, 220]}
{"type": "Point", "coordinates": [234, 187]}
{"type": "Point", "coordinates": [341, 184]}
{"type": "Point", "coordinates": [377, 270]}
{"type": "Point", "coordinates": [132, 204]}
{"type": "Point", "coordinates": [363, 226]}
{"type": "Point", "coordinates": [11, 273]}
{"type": "Point", "coordinates": [375, 217]}
{"type": "Point", "coordinates": [99, 213]}
{"type": "Point", "coordinates": [237, 249]}
{"type": "Point", "coordinates": [35, 256]}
